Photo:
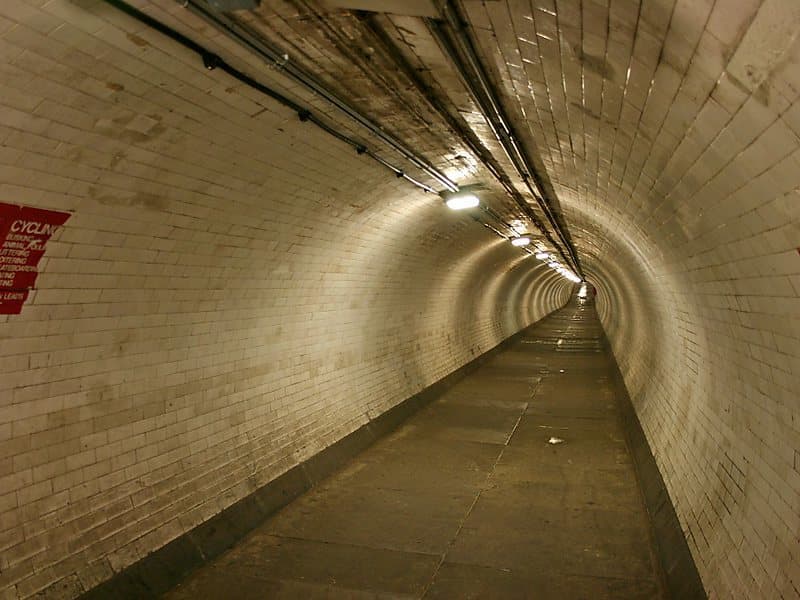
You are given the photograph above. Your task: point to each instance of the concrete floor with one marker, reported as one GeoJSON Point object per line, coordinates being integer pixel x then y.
{"type": "Point", "coordinates": [468, 499]}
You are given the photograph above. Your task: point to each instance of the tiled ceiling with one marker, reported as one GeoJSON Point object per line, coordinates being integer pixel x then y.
{"type": "Point", "coordinates": [390, 67]}
{"type": "Point", "coordinates": [614, 102]}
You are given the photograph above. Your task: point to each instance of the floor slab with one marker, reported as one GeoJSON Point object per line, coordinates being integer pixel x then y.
{"type": "Point", "coordinates": [516, 483]}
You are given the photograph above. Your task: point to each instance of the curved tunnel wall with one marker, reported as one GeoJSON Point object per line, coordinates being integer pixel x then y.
{"type": "Point", "coordinates": [700, 297]}
{"type": "Point", "coordinates": [236, 291]}
{"type": "Point", "coordinates": [232, 294]}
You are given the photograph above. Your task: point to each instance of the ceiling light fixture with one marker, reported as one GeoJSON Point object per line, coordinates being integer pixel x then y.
{"type": "Point", "coordinates": [542, 255]}
{"type": "Point", "coordinates": [462, 201]}
{"type": "Point", "coordinates": [521, 241]}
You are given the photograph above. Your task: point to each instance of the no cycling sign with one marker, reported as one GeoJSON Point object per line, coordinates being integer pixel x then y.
{"type": "Point", "coordinates": [24, 233]}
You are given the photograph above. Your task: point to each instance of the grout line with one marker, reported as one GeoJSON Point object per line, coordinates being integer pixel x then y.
{"type": "Point", "coordinates": [483, 488]}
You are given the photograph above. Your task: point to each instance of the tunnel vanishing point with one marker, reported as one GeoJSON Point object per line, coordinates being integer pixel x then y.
{"type": "Point", "coordinates": [400, 299]}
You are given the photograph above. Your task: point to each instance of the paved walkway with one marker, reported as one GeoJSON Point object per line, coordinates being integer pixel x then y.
{"type": "Point", "coordinates": [468, 499]}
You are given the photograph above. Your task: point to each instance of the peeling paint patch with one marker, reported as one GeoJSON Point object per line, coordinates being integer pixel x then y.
{"type": "Point", "coordinates": [596, 64]}
{"type": "Point", "coordinates": [142, 43]}
{"type": "Point", "coordinates": [771, 34]}
{"type": "Point", "coordinates": [130, 199]}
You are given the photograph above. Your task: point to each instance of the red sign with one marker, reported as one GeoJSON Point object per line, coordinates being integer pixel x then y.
{"type": "Point", "coordinates": [24, 232]}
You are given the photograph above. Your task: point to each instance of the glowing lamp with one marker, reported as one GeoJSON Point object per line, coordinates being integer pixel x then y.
{"type": "Point", "coordinates": [462, 201]}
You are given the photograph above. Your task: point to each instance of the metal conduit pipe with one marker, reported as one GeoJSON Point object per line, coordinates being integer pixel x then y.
{"type": "Point", "coordinates": [382, 40]}
{"type": "Point", "coordinates": [454, 38]}
{"type": "Point", "coordinates": [212, 61]}
{"type": "Point", "coordinates": [501, 134]}
{"type": "Point", "coordinates": [274, 55]}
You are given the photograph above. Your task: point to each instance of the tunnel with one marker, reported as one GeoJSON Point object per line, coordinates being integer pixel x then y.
{"type": "Point", "coordinates": [400, 298]}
